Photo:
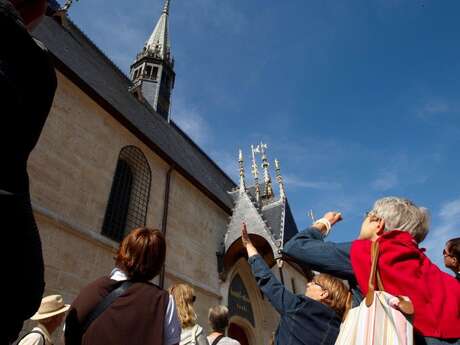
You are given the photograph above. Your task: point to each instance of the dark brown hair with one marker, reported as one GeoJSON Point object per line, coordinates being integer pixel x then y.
{"type": "Point", "coordinates": [142, 254]}
{"type": "Point", "coordinates": [453, 246]}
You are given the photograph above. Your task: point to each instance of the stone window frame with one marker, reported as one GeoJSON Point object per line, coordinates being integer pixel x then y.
{"type": "Point", "coordinates": [128, 201]}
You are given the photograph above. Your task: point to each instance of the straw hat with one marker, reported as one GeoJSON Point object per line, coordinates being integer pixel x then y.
{"type": "Point", "coordinates": [50, 306]}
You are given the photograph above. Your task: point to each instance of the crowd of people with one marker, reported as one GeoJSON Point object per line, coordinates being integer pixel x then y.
{"type": "Point", "coordinates": [126, 308]}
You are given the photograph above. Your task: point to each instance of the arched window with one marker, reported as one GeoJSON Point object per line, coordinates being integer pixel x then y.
{"type": "Point", "coordinates": [129, 196]}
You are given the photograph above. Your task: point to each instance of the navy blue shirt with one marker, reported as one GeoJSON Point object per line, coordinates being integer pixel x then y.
{"type": "Point", "coordinates": [302, 320]}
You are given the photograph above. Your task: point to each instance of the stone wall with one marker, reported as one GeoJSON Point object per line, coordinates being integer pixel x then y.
{"type": "Point", "coordinates": [71, 172]}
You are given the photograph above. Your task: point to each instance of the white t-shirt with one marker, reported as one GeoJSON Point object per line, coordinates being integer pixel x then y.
{"type": "Point", "coordinates": [172, 328]}
{"type": "Point", "coordinates": [223, 341]}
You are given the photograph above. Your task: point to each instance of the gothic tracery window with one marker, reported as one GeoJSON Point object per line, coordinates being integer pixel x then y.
{"type": "Point", "coordinates": [129, 196]}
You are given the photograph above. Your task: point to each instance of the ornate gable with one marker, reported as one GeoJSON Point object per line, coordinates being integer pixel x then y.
{"type": "Point", "coordinates": [269, 219]}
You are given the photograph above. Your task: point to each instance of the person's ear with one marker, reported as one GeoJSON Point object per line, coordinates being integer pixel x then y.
{"type": "Point", "coordinates": [380, 227]}
{"type": "Point", "coordinates": [324, 294]}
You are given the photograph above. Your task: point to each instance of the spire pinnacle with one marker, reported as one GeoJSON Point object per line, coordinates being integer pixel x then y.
{"type": "Point", "coordinates": [255, 171]}
{"type": "Point", "coordinates": [265, 165]}
{"type": "Point", "coordinates": [241, 162]}
{"type": "Point", "coordinates": [279, 179]}
{"type": "Point", "coordinates": [166, 7]}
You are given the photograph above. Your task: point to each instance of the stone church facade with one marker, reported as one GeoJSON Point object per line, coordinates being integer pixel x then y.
{"type": "Point", "coordinates": [110, 158]}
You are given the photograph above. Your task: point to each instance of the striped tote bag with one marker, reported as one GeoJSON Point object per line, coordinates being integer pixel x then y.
{"type": "Point", "coordinates": [375, 321]}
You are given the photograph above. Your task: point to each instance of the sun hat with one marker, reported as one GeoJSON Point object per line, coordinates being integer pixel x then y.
{"type": "Point", "coordinates": [50, 306]}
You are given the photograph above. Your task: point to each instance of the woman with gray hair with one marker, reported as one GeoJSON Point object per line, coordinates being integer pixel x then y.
{"type": "Point", "coordinates": [218, 321]}
{"type": "Point", "coordinates": [398, 225]}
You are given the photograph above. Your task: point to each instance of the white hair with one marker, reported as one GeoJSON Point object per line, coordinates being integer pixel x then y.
{"type": "Point", "coordinates": [402, 214]}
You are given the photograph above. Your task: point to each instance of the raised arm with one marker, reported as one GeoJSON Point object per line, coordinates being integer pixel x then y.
{"type": "Point", "coordinates": [279, 296]}
{"type": "Point", "coordinates": [309, 248]}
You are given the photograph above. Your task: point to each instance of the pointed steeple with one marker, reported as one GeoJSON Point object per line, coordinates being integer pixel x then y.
{"type": "Point", "coordinates": [242, 183]}
{"type": "Point", "coordinates": [152, 72]}
{"type": "Point", "coordinates": [158, 43]}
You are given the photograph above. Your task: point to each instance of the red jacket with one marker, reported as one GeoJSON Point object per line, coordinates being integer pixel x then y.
{"type": "Point", "coordinates": [406, 271]}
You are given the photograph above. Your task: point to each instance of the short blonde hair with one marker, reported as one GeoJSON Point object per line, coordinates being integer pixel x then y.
{"type": "Point", "coordinates": [184, 296]}
{"type": "Point", "coordinates": [338, 293]}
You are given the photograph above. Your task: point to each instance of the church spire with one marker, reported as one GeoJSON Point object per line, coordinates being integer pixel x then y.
{"type": "Point", "coordinates": [158, 43]}
{"type": "Point", "coordinates": [152, 72]}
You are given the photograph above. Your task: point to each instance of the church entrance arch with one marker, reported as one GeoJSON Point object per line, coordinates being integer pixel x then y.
{"type": "Point", "coordinates": [238, 333]}
{"type": "Point", "coordinates": [244, 301]}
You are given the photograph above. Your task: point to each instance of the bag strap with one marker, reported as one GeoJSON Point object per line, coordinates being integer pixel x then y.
{"type": "Point", "coordinates": [38, 332]}
{"type": "Point", "coordinates": [405, 304]}
{"type": "Point", "coordinates": [374, 275]}
{"type": "Point", "coordinates": [104, 304]}
{"type": "Point", "coordinates": [217, 339]}
{"type": "Point", "coordinates": [194, 335]}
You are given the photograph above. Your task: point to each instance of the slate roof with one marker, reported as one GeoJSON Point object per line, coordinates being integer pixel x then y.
{"type": "Point", "coordinates": [277, 215]}
{"type": "Point", "coordinates": [83, 62]}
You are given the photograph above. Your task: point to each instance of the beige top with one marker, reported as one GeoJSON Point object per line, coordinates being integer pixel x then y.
{"type": "Point", "coordinates": [37, 339]}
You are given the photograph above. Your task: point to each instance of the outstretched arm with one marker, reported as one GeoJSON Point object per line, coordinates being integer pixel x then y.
{"type": "Point", "coordinates": [308, 248]}
{"type": "Point", "coordinates": [279, 296]}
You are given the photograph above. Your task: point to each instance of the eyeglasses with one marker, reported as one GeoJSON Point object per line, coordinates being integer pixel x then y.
{"type": "Point", "coordinates": [371, 215]}
{"type": "Point", "coordinates": [316, 283]}
{"type": "Point", "coordinates": [445, 253]}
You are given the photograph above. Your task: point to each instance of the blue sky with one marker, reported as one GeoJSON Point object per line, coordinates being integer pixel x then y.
{"type": "Point", "coordinates": [358, 99]}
